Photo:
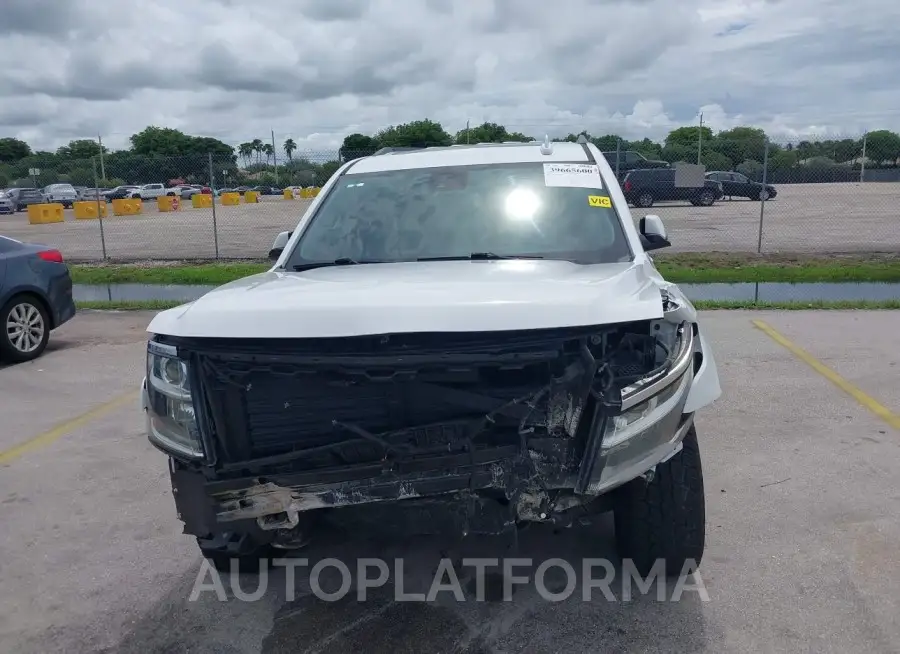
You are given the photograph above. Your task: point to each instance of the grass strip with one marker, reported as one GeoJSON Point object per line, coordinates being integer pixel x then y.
{"type": "Point", "coordinates": [679, 268]}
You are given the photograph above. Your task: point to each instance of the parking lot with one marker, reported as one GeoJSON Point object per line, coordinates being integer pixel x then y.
{"type": "Point", "coordinates": [803, 539]}
{"type": "Point", "coordinates": [803, 218]}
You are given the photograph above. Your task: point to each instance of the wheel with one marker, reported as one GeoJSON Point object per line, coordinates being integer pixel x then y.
{"type": "Point", "coordinates": [763, 195]}
{"type": "Point", "coordinates": [171, 195]}
{"type": "Point", "coordinates": [136, 197]}
{"type": "Point", "coordinates": [645, 200]}
{"type": "Point", "coordinates": [706, 199]}
{"type": "Point", "coordinates": [664, 519]}
{"type": "Point", "coordinates": [26, 329]}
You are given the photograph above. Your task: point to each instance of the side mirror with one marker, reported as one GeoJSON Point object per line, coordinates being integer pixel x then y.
{"type": "Point", "coordinates": [278, 246]}
{"type": "Point", "coordinates": [653, 233]}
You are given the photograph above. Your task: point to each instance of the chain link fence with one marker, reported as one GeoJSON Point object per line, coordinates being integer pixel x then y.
{"type": "Point", "coordinates": [781, 199]}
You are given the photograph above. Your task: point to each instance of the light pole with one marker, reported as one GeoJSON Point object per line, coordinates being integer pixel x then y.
{"type": "Point", "coordinates": [700, 139]}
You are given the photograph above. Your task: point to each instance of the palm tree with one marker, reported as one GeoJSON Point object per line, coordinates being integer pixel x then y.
{"type": "Point", "coordinates": [245, 150]}
{"type": "Point", "coordinates": [289, 147]}
{"type": "Point", "coordinates": [257, 148]}
{"type": "Point", "coordinates": [269, 152]}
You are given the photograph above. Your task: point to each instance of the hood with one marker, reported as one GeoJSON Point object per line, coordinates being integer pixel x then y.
{"type": "Point", "coordinates": [449, 296]}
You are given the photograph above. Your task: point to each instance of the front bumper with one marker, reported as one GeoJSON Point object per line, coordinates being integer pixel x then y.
{"type": "Point", "coordinates": [208, 502]}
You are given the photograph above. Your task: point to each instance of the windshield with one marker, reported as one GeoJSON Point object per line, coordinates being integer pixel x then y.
{"type": "Point", "coordinates": [507, 210]}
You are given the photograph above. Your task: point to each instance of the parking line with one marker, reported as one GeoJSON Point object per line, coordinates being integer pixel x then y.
{"type": "Point", "coordinates": [54, 434]}
{"type": "Point", "coordinates": [857, 394]}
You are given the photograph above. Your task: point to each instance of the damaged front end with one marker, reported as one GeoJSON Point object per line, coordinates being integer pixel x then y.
{"type": "Point", "coordinates": [497, 427]}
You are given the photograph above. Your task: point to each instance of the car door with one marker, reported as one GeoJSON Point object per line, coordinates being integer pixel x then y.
{"type": "Point", "coordinates": [743, 186]}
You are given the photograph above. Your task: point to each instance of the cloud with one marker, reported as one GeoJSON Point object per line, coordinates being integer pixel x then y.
{"type": "Point", "coordinates": [316, 71]}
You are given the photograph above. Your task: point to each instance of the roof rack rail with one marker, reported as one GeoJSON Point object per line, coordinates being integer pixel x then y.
{"type": "Point", "coordinates": [402, 149]}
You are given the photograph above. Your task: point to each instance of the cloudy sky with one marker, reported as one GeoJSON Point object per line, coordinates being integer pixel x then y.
{"type": "Point", "coordinates": [315, 70]}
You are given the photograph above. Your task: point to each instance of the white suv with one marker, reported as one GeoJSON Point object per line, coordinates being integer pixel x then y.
{"type": "Point", "coordinates": [458, 339]}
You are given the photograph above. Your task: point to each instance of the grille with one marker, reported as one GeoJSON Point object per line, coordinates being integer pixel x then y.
{"type": "Point", "coordinates": [291, 396]}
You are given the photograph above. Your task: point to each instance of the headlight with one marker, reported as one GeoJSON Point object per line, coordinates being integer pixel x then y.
{"type": "Point", "coordinates": [639, 417]}
{"type": "Point", "coordinates": [649, 400]}
{"type": "Point", "coordinates": [171, 421]}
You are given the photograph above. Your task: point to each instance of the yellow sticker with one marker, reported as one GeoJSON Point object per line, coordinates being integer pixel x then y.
{"type": "Point", "coordinates": [599, 201]}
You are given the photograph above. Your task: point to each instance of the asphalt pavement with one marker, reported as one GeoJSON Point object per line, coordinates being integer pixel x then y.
{"type": "Point", "coordinates": [803, 512]}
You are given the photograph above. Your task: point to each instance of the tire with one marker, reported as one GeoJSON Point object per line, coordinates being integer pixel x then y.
{"type": "Point", "coordinates": [249, 561]}
{"type": "Point", "coordinates": [136, 197]}
{"type": "Point", "coordinates": [171, 195]}
{"type": "Point", "coordinates": [665, 518]}
{"type": "Point", "coordinates": [24, 329]}
{"type": "Point", "coordinates": [763, 195]}
{"type": "Point", "coordinates": [706, 199]}
{"type": "Point", "coordinates": [644, 200]}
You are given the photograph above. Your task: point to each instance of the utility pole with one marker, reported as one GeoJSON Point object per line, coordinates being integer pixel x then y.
{"type": "Point", "coordinates": [862, 169]}
{"type": "Point", "coordinates": [700, 138]}
{"type": "Point", "coordinates": [467, 132]}
{"type": "Point", "coordinates": [102, 167]}
{"type": "Point", "coordinates": [275, 157]}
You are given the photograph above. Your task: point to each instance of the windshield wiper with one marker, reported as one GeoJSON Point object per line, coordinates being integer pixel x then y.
{"type": "Point", "coordinates": [342, 261]}
{"type": "Point", "coordinates": [481, 256]}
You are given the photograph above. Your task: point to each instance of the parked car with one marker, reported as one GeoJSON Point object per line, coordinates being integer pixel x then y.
{"type": "Point", "coordinates": [184, 191]}
{"type": "Point", "coordinates": [35, 298]}
{"type": "Point", "coordinates": [23, 197]}
{"type": "Point", "coordinates": [643, 188]}
{"type": "Point", "coordinates": [93, 194]}
{"type": "Point", "coordinates": [444, 368]}
{"type": "Point", "coordinates": [267, 190]}
{"type": "Point", "coordinates": [121, 192]}
{"type": "Point", "coordinates": [63, 194]}
{"type": "Point", "coordinates": [632, 160]}
{"type": "Point", "coordinates": [740, 186]}
{"type": "Point", "coordinates": [7, 204]}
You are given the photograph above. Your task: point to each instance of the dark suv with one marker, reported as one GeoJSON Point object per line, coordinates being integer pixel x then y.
{"type": "Point", "coordinates": [644, 187]}
{"type": "Point", "coordinates": [22, 197]}
{"type": "Point", "coordinates": [740, 186]}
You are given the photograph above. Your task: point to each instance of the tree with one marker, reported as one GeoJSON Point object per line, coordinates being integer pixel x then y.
{"type": "Point", "coordinates": [417, 134]}
{"type": "Point", "coordinates": [883, 145]}
{"type": "Point", "coordinates": [80, 149]}
{"type": "Point", "coordinates": [673, 153]}
{"type": "Point", "coordinates": [160, 141]}
{"type": "Point", "coordinates": [750, 168]}
{"type": "Point", "coordinates": [784, 160]}
{"type": "Point", "coordinates": [357, 145]}
{"type": "Point", "coordinates": [13, 150]}
{"type": "Point", "coordinates": [743, 143]}
{"type": "Point", "coordinates": [257, 146]}
{"type": "Point", "coordinates": [327, 169]}
{"type": "Point", "coordinates": [489, 133]}
{"type": "Point", "coordinates": [714, 160]}
{"type": "Point", "coordinates": [269, 151]}
{"type": "Point", "coordinates": [245, 150]}
{"type": "Point", "coordinates": [608, 142]}
{"type": "Point", "coordinates": [689, 136]}
{"type": "Point", "coordinates": [289, 147]}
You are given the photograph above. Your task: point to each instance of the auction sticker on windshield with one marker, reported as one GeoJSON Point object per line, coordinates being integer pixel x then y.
{"type": "Point", "coordinates": [599, 201]}
{"type": "Point", "coordinates": [573, 175]}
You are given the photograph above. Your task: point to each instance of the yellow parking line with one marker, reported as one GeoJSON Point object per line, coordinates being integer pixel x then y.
{"type": "Point", "coordinates": [52, 435]}
{"type": "Point", "coordinates": [857, 394]}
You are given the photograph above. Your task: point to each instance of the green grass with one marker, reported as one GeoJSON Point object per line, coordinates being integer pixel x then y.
{"type": "Point", "coordinates": [678, 268]}
{"type": "Point", "coordinates": [706, 305]}
{"type": "Point", "coordinates": [213, 274]}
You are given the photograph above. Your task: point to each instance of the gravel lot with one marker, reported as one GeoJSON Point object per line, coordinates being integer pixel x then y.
{"type": "Point", "coordinates": [803, 218]}
{"type": "Point", "coordinates": [803, 515]}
